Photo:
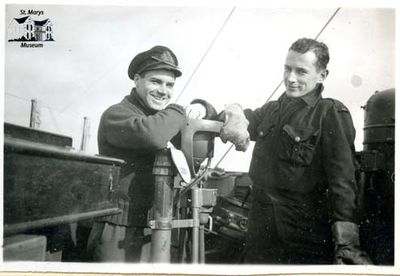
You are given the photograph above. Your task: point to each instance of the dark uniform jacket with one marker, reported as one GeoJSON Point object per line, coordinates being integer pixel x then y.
{"type": "Point", "coordinates": [304, 165]}
{"type": "Point", "coordinates": [132, 132]}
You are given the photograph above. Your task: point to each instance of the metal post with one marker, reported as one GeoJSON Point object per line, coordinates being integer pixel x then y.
{"type": "Point", "coordinates": [83, 224]}
{"type": "Point", "coordinates": [34, 121]}
{"type": "Point", "coordinates": [162, 208]}
{"type": "Point", "coordinates": [202, 257]}
{"type": "Point", "coordinates": [85, 133]}
{"type": "Point", "coordinates": [196, 204]}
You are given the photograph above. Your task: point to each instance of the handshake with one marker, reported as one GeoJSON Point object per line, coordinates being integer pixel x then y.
{"type": "Point", "coordinates": [235, 125]}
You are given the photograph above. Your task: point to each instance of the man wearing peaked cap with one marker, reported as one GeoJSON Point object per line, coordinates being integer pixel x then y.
{"type": "Point", "coordinates": [134, 130]}
{"type": "Point", "coordinates": [158, 57]}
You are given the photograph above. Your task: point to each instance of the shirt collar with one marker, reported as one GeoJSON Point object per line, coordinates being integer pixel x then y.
{"type": "Point", "coordinates": [310, 98]}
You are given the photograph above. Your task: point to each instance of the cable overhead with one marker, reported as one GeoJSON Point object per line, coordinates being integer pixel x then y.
{"type": "Point", "coordinates": [18, 97]}
{"type": "Point", "coordinates": [279, 85]}
{"type": "Point", "coordinates": [223, 156]}
{"type": "Point", "coordinates": [107, 70]}
{"type": "Point", "coordinates": [102, 76]}
{"type": "Point", "coordinates": [74, 114]}
{"type": "Point", "coordinates": [327, 23]}
{"type": "Point", "coordinates": [205, 54]}
{"type": "Point", "coordinates": [316, 37]}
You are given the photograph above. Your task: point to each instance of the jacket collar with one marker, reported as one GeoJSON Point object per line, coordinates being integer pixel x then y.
{"type": "Point", "coordinates": [134, 99]}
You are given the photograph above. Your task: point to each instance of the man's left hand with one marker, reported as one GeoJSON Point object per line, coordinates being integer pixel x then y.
{"type": "Point", "coordinates": [347, 244]}
{"type": "Point", "coordinates": [195, 111]}
{"type": "Point", "coordinates": [235, 126]}
{"type": "Point", "coordinates": [351, 255]}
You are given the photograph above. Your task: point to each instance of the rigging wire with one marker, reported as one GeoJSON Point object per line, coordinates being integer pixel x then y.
{"type": "Point", "coordinates": [315, 38]}
{"type": "Point", "coordinates": [16, 96]}
{"type": "Point", "coordinates": [70, 114]}
{"type": "Point", "coordinates": [107, 71]}
{"type": "Point", "coordinates": [205, 54]}
{"type": "Point", "coordinates": [88, 89]}
{"type": "Point", "coordinates": [53, 118]}
{"type": "Point", "coordinates": [280, 84]}
{"type": "Point", "coordinates": [223, 156]}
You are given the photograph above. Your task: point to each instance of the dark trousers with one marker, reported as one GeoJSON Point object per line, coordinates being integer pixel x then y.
{"type": "Point", "coordinates": [265, 245]}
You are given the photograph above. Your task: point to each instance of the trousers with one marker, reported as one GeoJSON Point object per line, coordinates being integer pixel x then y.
{"type": "Point", "coordinates": [266, 245]}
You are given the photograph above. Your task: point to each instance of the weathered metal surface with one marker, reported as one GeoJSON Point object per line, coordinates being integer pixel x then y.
{"type": "Point", "coordinates": [197, 142]}
{"type": "Point", "coordinates": [53, 221]}
{"type": "Point", "coordinates": [162, 207]}
{"type": "Point", "coordinates": [24, 248]}
{"type": "Point", "coordinates": [379, 118]}
{"type": "Point", "coordinates": [377, 167]}
{"type": "Point", "coordinates": [232, 206]}
{"type": "Point", "coordinates": [35, 135]}
{"type": "Point", "coordinates": [43, 182]}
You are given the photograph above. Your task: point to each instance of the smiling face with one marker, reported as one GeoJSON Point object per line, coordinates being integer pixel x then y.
{"type": "Point", "coordinates": [301, 74]}
{"type": "Point", "coordinates": [155, 88]}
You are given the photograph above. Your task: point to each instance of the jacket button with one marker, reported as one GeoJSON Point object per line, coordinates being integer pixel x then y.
{"type": "Point", "coordinates": [261, 133]}
{"type": "Point", "coordinates": [297, 139]}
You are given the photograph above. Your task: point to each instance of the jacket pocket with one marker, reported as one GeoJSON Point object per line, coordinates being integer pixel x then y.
{"type": "Point", "coordinates": [298, 144]}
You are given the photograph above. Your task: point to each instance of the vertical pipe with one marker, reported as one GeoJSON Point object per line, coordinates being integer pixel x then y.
{"type": "Point", "coordinates": [34, 121]}
{"type": "Point", "coordinates": [162, 208]}
{"type": "Point", "coordinates": [182, 246]}
{"type": "Point", "coordinates": [196, 223]}
{"type": "Point", "coordinates": [201, 245]}
{"type": "Point", "coordinates": [182, 233]}
{"type": "Point", "coordinates": [85, 133]}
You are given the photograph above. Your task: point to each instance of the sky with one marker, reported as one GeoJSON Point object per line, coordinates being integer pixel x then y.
{"type": "Point", "coordinates": [227, 54]}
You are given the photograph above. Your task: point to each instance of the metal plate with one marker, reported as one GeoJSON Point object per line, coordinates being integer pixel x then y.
{"type": "Point", "coordinates": [181, 164]}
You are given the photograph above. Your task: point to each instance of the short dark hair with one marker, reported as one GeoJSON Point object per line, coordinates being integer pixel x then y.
{"type": "Point", "coordinates": [320, 50]}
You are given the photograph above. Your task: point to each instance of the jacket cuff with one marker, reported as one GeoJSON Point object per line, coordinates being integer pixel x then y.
{"type": "Point", "coordinates": [345, 233]}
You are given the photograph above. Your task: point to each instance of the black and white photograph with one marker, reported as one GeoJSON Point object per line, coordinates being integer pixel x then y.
{"type": "Point", "coordinates": [198, 138]}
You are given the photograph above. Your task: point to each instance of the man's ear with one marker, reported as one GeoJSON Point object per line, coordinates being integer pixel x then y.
{"type": "Point", "coordinates": [323, 75]}
{"type": "Point", "coordinates": [136, 78]}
